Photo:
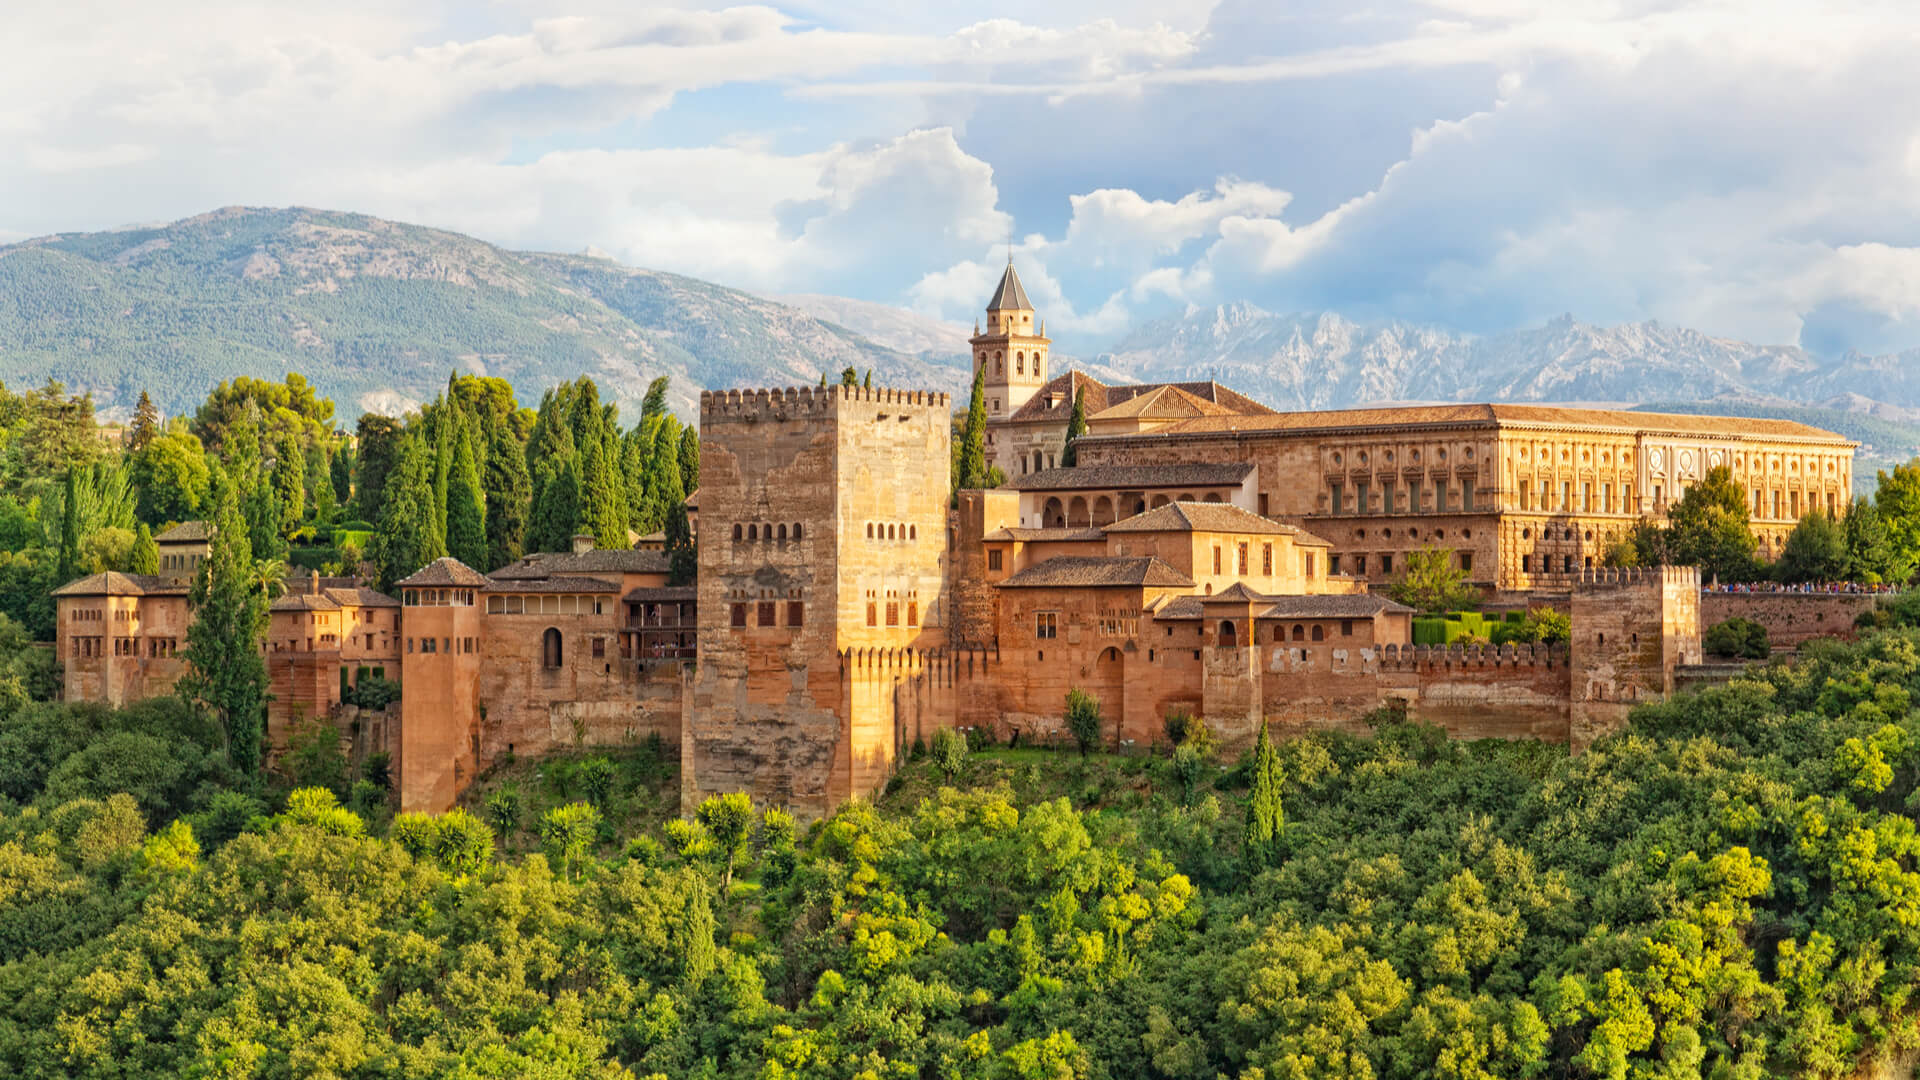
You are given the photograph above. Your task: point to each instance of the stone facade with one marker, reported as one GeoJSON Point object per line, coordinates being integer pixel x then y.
{"type": "Point", "coordinates": [1791, 619]}
{"type": "Point", "coordinates": [321, 641]}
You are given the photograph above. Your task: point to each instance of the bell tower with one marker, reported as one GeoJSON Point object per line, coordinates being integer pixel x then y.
{"type": "Point", "coordinates": [1012, 349]}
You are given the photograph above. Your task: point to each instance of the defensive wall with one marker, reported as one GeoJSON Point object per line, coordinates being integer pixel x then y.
{"type": "Point", "coordinates": [1791, 618]}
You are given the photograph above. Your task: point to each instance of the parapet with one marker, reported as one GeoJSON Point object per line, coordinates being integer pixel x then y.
{"type": "Point", "coordinates": [791, 402]}
{"type": "Point", "coordinates": [1609, 576]}
{"type": "Point", "coordinates": [1437, 658]}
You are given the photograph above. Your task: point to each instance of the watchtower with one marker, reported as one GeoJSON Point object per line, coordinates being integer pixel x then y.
{"type": "Point", "coordinates": [1012, 350]}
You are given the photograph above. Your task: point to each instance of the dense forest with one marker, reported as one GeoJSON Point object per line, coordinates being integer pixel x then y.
{"type": "Point", "coordinates": [1727, 889]}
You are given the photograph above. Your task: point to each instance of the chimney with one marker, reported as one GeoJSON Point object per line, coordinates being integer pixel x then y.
{"type": "Point", "coordinates": [582, 543]}
{"type": "Point", "coordinates": [313, 583]}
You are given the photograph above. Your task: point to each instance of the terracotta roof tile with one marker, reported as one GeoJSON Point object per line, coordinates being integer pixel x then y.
{"type": "Point", "coordinates": [1132, 476]}
{"type": "Point", "coordinates": [1097, 571]}
{"type": "Point", "coordinates": [667, 594]}
{"type": "Point", "coordinates": [185, 532]}
{"type": "Point", "coordinates": [304, 602]}
{"type": "Point", "coordinates": [1161, 403]}
{"type": "Point", "coordinates": [445, 570]}
{"type": "Point", "coordinates": [1350, 606]}
{"type": "Point", "coordinates": [597, 561]}
{"type": "Point", "coordinates": [562, 583]}
{"type": "Point", "coordinates": [1488, 415]}
{"type": "Point", "coordinates": [1025, 536]}
{"type": "Point", "coordinates": [359, 596]}
{"type": "Point", "coordinates": [1200, 517]}
{"type": "Point", "coordinates": [115, 583]}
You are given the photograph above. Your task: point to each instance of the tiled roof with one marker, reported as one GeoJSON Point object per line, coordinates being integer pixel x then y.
{"type": "Point", "coordinates": [1237, 591]}
{"type": "Point", "coordinates": [115, 583]}
{"type": "Point", "coordinates": [667, 594]}
{"type": "Point", "coordinates": [185, 532]}
{"type": "Point", "coordinates": [597, 561]}
{"type": "Point", "coordinates": [1026, 536]}
{"type": "Point", "coordinates": [445, 570]}
{"type": "Point", "coordinates": [566, 583]}
{"type": "Point", "coordinates": [1488, 415]}
{"type": "Point", "coordinates": [359, 596]}
{"type": "Point", "coordinates": [1009, 296]}
{"type": "Point", "coordinates": [304, 602]}
{"type": "Point", "coordinates": [1100, 397]}
{"type": "Point", "coordinates": [1161, 403]}
{"type": "Point", "coordinates": [1200, 517]}
{"type": "Point", "coordinates": [1132, 476]}
{"type": "Point", "coordinates": [1098, 571]}
{"type": "Point", "coordinates": [1350, 606]}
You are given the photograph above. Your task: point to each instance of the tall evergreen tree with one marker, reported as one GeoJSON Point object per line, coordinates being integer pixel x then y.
{"type": "Point", "coordinates": [653, 408]}
{"type": "Point", "coordinates": [1266, 818]}
{"type": "Point", "coordinates": [1076, 427]}
{"type": "Point", "coordinates": [600, 504]}
{"type": "Point", "coordinates": [466, 505]}
{"type": "Point", "coordinates": [70, 527]}
{"type": "Point", "coordinates": [550, 454]}
{"type": "Point", "coordinates": [635, 448]}
{"type": "Point", "coordinates": [146, 554]}
{"type": "Point", "coordinates": [146, 424]}
{"type": "Point", "coordinates": [689, 459]}
{"type": "Point", "coordinates": [290, 482]}
{"type": "Point", "coordinates": [682, 558]}
{"type": "Point", "coordinates": [509, 493]}
{"type": "Point", "coordinates": [261, 519]}
{"type": "Point", "coordinates": [971, 465]}
{"type": "Point", "coordinates": [405, 540]}
{"type": "Point", "coordinates": [340, 473]}
{"type": "Point", "coordinates": [378, 436]}
{"type": "Point", "coordinates": [444, 429]}
{"type": "Point", "coordinates": [556, 509]}
{"type": "Point", "coordinates": [225, 670]}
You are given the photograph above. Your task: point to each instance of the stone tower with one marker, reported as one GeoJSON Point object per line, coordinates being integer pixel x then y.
{"type": "Point", "coordinates": [440, 669]}
{"type": "Point", "coordinates": [1012, 349]}
{"type": "Point", "coordinates": [822, 538]}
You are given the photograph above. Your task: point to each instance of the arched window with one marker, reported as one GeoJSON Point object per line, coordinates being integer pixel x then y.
{"type": "Point", "coordinates": [796, 530]}
{"type": "Point", "coordinates": [736, 531]}
{"type": "Point", "coordinates": [1019, 363]}
{"type": "Point", "coordinates": [889, 532]}
{"type": "Point", "coordinates": [1228, 637]}
{"type": "Point", "coordinates": [783, 532]}
{"type": "Point", "coordinates": [753, 532]}
{"type": "Point", "coordinates": [869, 530]}
{"type": "Point", "coordinates": [1299, 632]}
{"type": "Point", "coordinates": [913, 532]}
{"type": "Point", "coordinates": [550, 653]}
{"type": "Point", "coordinates": [1319, 634]}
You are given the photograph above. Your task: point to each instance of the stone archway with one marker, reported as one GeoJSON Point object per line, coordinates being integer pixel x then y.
{"type": "Point", "coordinates": [1077, 512]}
{"type": "Point", "coordinates": [1108, 683]}
{"type": "Point", "coordinates": [1102, 511]}
{"type": "Point", "coordinates": [1160, 501]}
{"type": "Point", "coordinates": [1053, 515]}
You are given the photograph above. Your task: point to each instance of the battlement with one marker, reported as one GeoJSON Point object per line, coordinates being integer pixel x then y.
{"type": "Point", "coordinates": [942, 663]}
{"type": "Point", "coordinates": [1435, 659]}
{"type": "Point", "coordinates": [784, 403]}
{"type": "Point", "coordinates": [1606, 576]}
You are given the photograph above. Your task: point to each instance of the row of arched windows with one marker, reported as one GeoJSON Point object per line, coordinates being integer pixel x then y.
{"type": "Point", "coordinates": [761, 531]}
{"type": "Point", "coordinates": [892, 531]}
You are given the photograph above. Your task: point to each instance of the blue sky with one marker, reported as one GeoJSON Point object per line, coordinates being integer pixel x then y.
{"type": "Point", "coordinates": [1748, 169]}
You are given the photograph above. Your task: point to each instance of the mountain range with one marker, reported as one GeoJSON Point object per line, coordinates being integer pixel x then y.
{"type": "Point", "coordinates": [376, 313]}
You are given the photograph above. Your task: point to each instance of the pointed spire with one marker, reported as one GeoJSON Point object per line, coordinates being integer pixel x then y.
{"type": "Point", "coordinates": [1009, 296]}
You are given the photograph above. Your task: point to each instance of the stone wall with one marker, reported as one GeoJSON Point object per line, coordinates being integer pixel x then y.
{"type": "Point", "coordinates": [1790, 618]}
{"type": "Point", "coordinates": [1631, 628]}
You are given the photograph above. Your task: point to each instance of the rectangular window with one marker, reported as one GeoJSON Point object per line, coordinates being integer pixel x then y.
{"type": "Point", "coordinates": [1586, 498]}
{"type": "Point", "coordinates": [599, 648]}
{"type": "Point", "coordinates": [409, 644]}
{"type": "Point", "coordinates": [1309, 566]}
{"type": "Point", "coordinates": [796, 613]}
{"type": "Point", "coordinates": [1361, 499]}
{"type": "Point", "coordinates": [1046, 624]}
{"type": "Point", "coordinates": [893, 613]}
{"type": "Point", "coordinates": [1216, 560]}
{"type": "Point", "coordinates": [1526, 564]}
{"type": "Point", "coordinates": [1606, 498]}
{"type": "Point", "coordinates": [1776, 501]}
{"type": "Point", "coordinates": [873, 613]}
{"type": "Point", "coordinates": [1386, 564]}
{"type": "Point", "coordinates": [515, 604]}
{"type": "Point", "coordinates": [1335, 489]}
{"type": "Point", "coordinates": [1566, 564]}
{"type": "Point", "coordinates": [1466, 495]}
{"type": "Point", "coordinates": [993, 559]}
{"type": "Point", "coordinates": [766, 613]}
{"type": "Point", "coordinates": [1266, 559]}
{"type": "Point", "coordinates": [1240, 558]}
{"type": "Point", "coordinates": [1360, 566]}
{"type": "Point", "coordinates": [1386, 498]}
{"type": "Point", "coordinates": [1263, 504]}
{"type": "Point", "coordinates": [1795, 497]}
{"type": "Point", "coordinates": [913, 613]}
{"type": "Point", "coordinates": [1440, 497]}
{"type": "Point", "coordinates": [1466, 562]}
{"type": "Point", "coordinates": [1413, 496]}
{"type": "Point", "coordinates": [1333, 564]}
{"type": "Point", "coordinates": [1346, 627]}
{"type": "Point", "coordinates": [737, 615]}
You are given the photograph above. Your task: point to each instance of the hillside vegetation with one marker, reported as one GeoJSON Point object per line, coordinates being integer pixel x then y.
{"type": "Point", "coordinates": [376, 313]}
{"type": "Point", "coordinates": [1728, 889]}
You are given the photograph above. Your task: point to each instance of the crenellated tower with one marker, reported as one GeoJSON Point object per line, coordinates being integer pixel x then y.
{"type": "Point", "coordinates": [1012, 349]}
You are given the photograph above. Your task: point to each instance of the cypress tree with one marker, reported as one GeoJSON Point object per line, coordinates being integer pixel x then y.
{"type": "Point", "coordinates": [225, 670]}
{"type": "Point", "coordinates": [466, 505]}
{"type": "Point", "coordinates": [340, 474]}
{"type": "Point", "coordinates": [146, 424]}
{"type": "Point", "coordinates": [378, 436]}
{"type": "Point", "coordinates": [682, 557]}
{"type": "Point", "coordinates": [635, 446]}
{"type": "Point", "coordinates": [404, 540]}
{"type": "Point", "coordinates": [600, 512]}
{"type": "Point", "coordinates": [689, 460]}
{"type": "Point", "coordinates": [146, 554]}
{"type": "Point", "coordinates": [70, 526]}
{"type": "Point", "coordinates": [972, 464]}
{"type": "Point", "coordinates": [556, 509]}
{"type": "Point", "coordinates": [262, 521]}
{"type": "Point", "coordinates": [653, 408]}
{"type": "Point", "coordinates": [1266, 819]}
{"type": "Point", "coordinates": [290, 482]}
{"type": "Point", "coordinates": [549, 453]}
{"type": "Point", "coordinates": [444, 427]}
{"type": "Point", "coordinates": [509, 493]}
{"type": "Point", "coordinates": [1076, 427]}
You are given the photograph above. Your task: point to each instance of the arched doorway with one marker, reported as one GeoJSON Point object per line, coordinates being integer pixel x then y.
{"type": "Point", "coordinates": [1108, 683]}
{"type": "Point", "coordinates": [1053, 515]}
{"type": "Point", "coordinates": [1229, 637]}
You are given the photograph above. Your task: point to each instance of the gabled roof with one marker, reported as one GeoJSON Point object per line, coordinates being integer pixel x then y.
{"type": "Point", "coordinates": [358, 596]}
{"type": "Point", "coordinates": [1083, 477]}
{"type": "Point", "coordinates": [1099, 571]}
{"type": "Point", "coordinates": [1238, 592]}
{"type": "Point", "coordinates": [563, 583]}
{"type": "Point", "coordinates": [1161, 403]}
{"type": "Point", "coordinates": [115, 583]}
{"type": "Point", "coordinates": [598, 561]}
{"type": "Point", "coordinates": [1009, 296]}
{"type": "Point", "coordinates": [1053, 402]}
{"type": "Point", "coordinates": [304, 602]}
{"type": "Point", "coordinates": [1028, 536]}
{"type": "Point", "coordinates": [185, 532]}
{"type": "Point", "coordinates": [1200, 517]}
{"type": "Point", "coordinates": [445, 570]}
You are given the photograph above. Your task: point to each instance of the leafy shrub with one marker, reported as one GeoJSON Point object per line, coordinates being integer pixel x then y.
{"type": "Point", "coordinates": [596, 776]}
{"type": "Point", "coordinates": [503, 809]}
{"type": "Point", "coordinates": [569, 832]}
{"type": "Point", "coordinates": [314, 757]}
{"type": "Point", "coordinates": [949, 752]}
{"type": "Point", "coordinates": [1736, 638]}
{"type": "Point", "coordinates": [372, 692]}
{"type": "Point", "coordinates": [1083, 719]}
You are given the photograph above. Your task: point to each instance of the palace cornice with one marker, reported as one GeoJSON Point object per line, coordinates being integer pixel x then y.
{"type": "Point", "coordinates": [1493, 425]}
{"type": "Point", "coordinates": [1344, 429]}
{"type": "Point", "coordinates": [1834, 442]}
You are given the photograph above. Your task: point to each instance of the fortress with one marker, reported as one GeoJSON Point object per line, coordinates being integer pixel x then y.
{"type": "Point", "coordinates": [1207, 555]}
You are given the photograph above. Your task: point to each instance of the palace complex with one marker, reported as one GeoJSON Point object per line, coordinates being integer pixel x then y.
{"type": "Point", "coordinates": [1206, 554]}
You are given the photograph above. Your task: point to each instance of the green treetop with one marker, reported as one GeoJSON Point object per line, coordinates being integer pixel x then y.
{"type": "Point", "coordinates": [971, 466]}
{"type": "Point", "coordinates": [1266, 819]}
{"type": "Point", "coordinates": [1816, 550]}
{"type": "Point", "coordinates": [1709, 528]}
{"type": "Point", "coordinates": [1076, 427]}
{"type": "Point", "coordinates": [404, 539]}
{"type": "Point", "coordinates": [466, 504]}
{"type": "Point", "coordinates": [226, 671]}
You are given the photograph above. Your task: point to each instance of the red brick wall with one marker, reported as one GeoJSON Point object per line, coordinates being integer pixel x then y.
{"type": "Point", "coordinates": [1790, 618]}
